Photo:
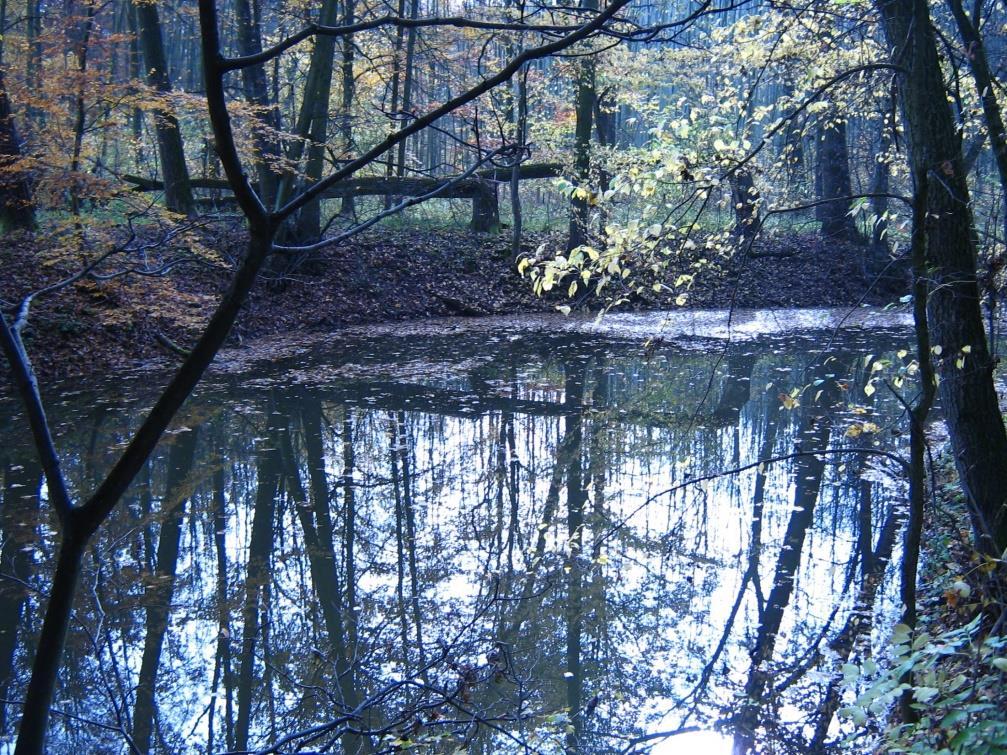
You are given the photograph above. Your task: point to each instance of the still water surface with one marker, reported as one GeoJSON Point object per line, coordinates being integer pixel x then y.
{"type": "Point", "coordinates": [497, 536]}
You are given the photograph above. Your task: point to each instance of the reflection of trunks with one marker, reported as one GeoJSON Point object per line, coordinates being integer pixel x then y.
{"type": "Point", "coordinates": [435, 530]}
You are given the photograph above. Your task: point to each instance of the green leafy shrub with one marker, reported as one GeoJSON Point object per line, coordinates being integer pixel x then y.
{"type": "Point", "coordinates": [957, 685]}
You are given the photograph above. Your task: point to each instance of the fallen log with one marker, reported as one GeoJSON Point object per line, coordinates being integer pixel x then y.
{"type": "Point", "coordinates": [481, 188]}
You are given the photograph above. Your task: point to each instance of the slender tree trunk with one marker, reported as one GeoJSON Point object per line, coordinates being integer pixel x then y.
{"type": "Point", "coordinates": [33, 63]}
{"type": "Point", "coordinates": [80, 109]}
{"type": "Point", "coordinates": [313, 123]}
{"type": "Point", "coordinates": [917, 430]}
{"type": "Point", "coordinates": [986, 86]}
{"type": "Point", "coordinates": [400, 37]}
{"type": "Point", "coordinates": [3, 28]}
{"type": "Point", "coordinates": [409, 509]}
{"type": "Point", "coordinates": [520, 137]}
{"type": "Point", "coordinates": [348, 208]}
{"type": "Point", "coordinates": [580, 206]}
{"type": "Point", "coordinates": [408, 75]}
{"type": "Point", "coordinates": [793, 148]}
{"type": "Point", "coordinates": [17, 207]}
{"type": "Point", "coordinates": [135, 67]}
{"type": "Point", "coordinates": [349, 529]}
{"type": "Point", "coordinates": [177, 191]}
{"type": "Point", "coordinates": [256, 89]}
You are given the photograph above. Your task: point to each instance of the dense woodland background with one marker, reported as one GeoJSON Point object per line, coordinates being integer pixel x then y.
{"type": "Point", "coordinates": [108, 98]}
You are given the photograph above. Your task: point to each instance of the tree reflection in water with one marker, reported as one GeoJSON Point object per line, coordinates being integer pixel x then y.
{"type": "Point", "coordinates": [432, 542]}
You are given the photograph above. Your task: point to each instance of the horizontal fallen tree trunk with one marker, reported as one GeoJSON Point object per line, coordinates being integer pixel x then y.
{"type": "Point", "coordinates": [481, 189]}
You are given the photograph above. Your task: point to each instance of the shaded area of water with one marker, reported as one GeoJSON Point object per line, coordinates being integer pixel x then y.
{"type": "Point", "coordinates": [489, 538]}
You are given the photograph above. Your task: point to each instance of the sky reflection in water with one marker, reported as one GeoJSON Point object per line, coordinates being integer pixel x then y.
{"type": "Point", "coordinates": [463, 537]}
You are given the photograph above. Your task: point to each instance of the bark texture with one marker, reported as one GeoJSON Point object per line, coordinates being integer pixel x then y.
{"type": "Point", "coordinates": [965, 367]}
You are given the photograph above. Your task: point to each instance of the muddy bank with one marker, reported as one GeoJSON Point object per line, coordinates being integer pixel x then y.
{"type": "Point", "coordinates": [94, 327]}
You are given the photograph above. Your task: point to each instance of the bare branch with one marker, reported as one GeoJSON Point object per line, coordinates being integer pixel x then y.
{"type": "Point", "coordinates": [27, 386]}
{"type": "Point", "coordinates": [752, 465]}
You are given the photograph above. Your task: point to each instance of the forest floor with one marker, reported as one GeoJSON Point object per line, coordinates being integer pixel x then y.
{"type": "Point", "coordinates": [960, 645]}
{"type": "Point", "coordinates": [92, 328]}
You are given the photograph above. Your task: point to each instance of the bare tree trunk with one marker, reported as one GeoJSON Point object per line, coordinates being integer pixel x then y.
{"type": "Point", "coordinates": [793, 147]}
{"type": "Point", "coordinates": [3, 27]}
{"type": "Point", "coordinates": [986, 85]}
{"type": "Point", "coordinates": [967, 393]}
{"type": "Point", "coordinates": [520, 137]}
{"type": "Point", "coordinates": [256, 88]}
{"type": "Point", "coordinates": [746, 200]}
{"type": "Point", "coordinates": [177, 191]}
{"type": "Point", "coordinates": [17, 208]}
{"type": "Point", "coordinates": [80, 122]}
{"type": "Point", "coordinates": [834, 160]}
{"type": "Point", "coordinates": [349, 529]}
{"type": "Point", "coordinates": [408, 75]}
{"type": "Point", "coordinates": [49, 650]}
{"type": "Point", "coordinates": [580, 207]}
{"type": "Point", "coordinates": [33, 63]}
{"type": "Point", "coordinates": [917, 429]}
{"type": "Point", "coordinates": [348, 208]}
{"type": "Point", "coordinates": [393, 109]}
{"type": "Point", "coordinates": [313, 123]}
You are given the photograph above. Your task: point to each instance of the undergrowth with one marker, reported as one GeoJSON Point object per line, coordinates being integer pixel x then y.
{"type": "Point", "coordinates": [951, 672]}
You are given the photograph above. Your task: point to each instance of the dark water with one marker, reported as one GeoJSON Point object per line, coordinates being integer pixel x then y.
{"type": "Point", "coordinates": [496, 538]}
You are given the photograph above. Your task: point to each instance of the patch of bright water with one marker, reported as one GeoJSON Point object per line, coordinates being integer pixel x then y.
{"type": "Point", "coordinates": [513, 535]}
{"type": "Point", "coordinates": [695, 743]}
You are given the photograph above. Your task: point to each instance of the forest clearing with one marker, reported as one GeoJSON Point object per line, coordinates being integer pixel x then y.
{"type": "Point", "coordinates": [502, 377]}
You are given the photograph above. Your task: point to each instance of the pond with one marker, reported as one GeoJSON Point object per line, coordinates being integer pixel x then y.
{"type": "Point", "coordinates": [501, 535]}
